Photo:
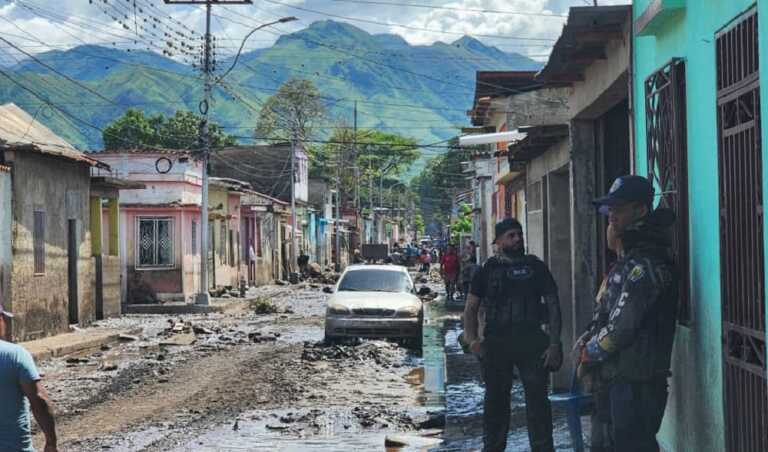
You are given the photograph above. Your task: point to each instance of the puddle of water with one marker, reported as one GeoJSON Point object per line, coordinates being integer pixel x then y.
{"type": "Point", "coordinates": [335, 430]}
{"type": "Point", "coordinates": [433, 359]}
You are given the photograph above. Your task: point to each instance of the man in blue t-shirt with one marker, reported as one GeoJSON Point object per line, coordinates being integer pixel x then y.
{"type": "Point", "coordinates": [20, 389]}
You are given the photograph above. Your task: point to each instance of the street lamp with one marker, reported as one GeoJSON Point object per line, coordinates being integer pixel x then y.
{"type": "Point", "coordinates": [282, 20]}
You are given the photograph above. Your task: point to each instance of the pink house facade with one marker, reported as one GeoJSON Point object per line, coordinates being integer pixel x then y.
{"type": "Point", "coordinates": [160, 224]}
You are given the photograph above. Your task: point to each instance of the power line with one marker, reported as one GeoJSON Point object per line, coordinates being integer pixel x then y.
{"type": "Point", "coordinates": [449, 8]}
{"type": "Point", "coordinates": [408, 27]}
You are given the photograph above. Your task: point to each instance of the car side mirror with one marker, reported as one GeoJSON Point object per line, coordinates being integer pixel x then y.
{"type": "Point", "coordinates": [328, 289]}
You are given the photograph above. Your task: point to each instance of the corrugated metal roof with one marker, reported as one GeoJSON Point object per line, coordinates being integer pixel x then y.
{"type": "Point", "coordinates": [20, 131]}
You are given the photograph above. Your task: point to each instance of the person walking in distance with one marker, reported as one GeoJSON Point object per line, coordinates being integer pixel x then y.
{"type": "Point", "coordinates": [517, 294]}
{"type": "Point", "coordinates": [449, 270]}
{"type": "Point", "coordinates": [633, 349]}
{"type": "Point", "coordinates": [20, 389]}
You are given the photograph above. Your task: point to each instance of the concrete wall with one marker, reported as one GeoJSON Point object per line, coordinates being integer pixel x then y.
{"type": "Point", "coordinates": [600, 91]}
{"type": "Point", "coordinates": [694, 418]}
{"type": "Point", "coordinates": [270, 247]}
{"type": "Point", "coordinates": [111, 283]}
{"type": "Point", "coordinates": [6, 221]}
{"type": "Point", "coordinates": [61, 189]}
{"type": "Point", "coordinates": [547, 106]}
{"type": "Point", "coordinates": [181, 184]}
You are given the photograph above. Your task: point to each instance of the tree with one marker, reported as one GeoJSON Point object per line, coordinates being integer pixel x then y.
{"type": "Point", "coordinates": [180, 131]}
{"type": "Point", "coordinates": [132, 130]}
{"type": "Point", "coordinates": [292, 113]}
{"type": "Point", "coordinates": [437, 185]}
{"type": "Point", "coordinates": [463, 222]}
{"type": "Point", "coordinates": [380, 158]}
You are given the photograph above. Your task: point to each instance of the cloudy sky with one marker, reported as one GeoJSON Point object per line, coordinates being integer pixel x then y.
{"type": "Point", "coordinates": [525, 26]}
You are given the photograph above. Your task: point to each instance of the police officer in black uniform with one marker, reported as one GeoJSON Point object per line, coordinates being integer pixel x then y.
{"type": "Point", "coordinates": [632, 347]}
{"type": "Point", "coordinates": [517, 294]}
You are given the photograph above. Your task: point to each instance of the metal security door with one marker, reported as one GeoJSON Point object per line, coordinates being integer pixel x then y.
{"type": "Point", "coordinates": [741, 237]}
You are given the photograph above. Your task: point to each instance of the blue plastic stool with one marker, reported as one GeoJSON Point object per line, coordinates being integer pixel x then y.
{"type": "Point", "coordinates": [573, 402]}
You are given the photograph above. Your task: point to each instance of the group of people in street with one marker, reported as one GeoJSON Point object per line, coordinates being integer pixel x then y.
{"type": "Point", "coordinates": [512, 319]}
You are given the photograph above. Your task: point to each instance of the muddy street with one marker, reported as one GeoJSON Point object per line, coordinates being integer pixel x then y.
{"type": "Point", "coordinates": [252, 379]}
{"type": "Point", "coordinates": [260, 378]}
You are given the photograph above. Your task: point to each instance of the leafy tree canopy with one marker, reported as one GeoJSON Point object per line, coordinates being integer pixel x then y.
{"type": "Point", "coordinates": [294, 111]}
{"type": "Point", "coordinates": [380, 158]}
{"type": "Point", "coordinates": [180, 131]}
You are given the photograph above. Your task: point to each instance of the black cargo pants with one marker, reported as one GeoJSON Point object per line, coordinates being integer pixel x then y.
{"type": "Point", "coordinates": [500, 357]}
{"type": "Point", "coordinates": [637, 410]}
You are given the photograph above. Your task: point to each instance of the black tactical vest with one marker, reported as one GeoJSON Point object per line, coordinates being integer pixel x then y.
{"type": "Point", "coordinates": [513, 297]}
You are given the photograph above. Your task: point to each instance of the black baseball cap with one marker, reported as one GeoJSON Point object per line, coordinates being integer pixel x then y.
{"type": "Point", "coordinates": [627, 189]}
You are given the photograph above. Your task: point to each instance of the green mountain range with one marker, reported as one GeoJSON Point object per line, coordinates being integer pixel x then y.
{"type": "Point", "coordinates": [418, 91]}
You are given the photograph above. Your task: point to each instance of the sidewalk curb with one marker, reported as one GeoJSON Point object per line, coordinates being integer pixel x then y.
{"type": "Point", "coordinates": [41, 351]}
{"type": "Point", "coordinates": [215, 307]}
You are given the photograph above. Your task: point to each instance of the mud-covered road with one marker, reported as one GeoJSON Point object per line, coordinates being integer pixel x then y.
{"type": "Point", "coordinates": [258, 380]}
{"type": "Point", "coordinates": [250, 381]}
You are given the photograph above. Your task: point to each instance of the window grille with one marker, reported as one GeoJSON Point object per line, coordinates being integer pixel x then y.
{"type": "Point", "coordinates": [155, 242]}
{"type": "Point", "coordinates": [666, 142]}
{"type": "Point", "coordinates": [742, 272]}
{"type": "Point", "coordinates": [38, 237]}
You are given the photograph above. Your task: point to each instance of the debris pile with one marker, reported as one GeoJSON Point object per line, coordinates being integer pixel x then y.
{"type": "Point", "coordinates": [263, 305]}
{"type": "Point", "coordinates": [382, 353]}
{"type": "Point", "coordinates": [327, 278]}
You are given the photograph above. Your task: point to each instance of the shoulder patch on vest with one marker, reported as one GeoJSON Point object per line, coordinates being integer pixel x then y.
{"type": "Point", "coordinates": [636, 274]}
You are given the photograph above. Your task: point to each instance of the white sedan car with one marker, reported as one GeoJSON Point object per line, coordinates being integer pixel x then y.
{"type": "Point", "coordinates": [375, 301]}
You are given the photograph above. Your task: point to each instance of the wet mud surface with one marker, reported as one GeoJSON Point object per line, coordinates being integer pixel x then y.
{"type": "Point", "coordinates": [253, 382]}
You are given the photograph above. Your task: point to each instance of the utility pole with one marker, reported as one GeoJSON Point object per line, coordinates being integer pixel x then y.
{"type": "Point", "coordinates": [337, 223]}
{"type": "Point", "coordinates": [370, 199]}
{"type": "Point", "coordinates": [294, 230]}
{"type": "Point", "coordinates": [354, 159]}
{"type": "Point", "coordinates": [202, 297]}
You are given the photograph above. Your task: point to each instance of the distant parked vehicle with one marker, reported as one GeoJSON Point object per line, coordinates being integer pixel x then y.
{"type": "Point", "coordinates": [375, 301]}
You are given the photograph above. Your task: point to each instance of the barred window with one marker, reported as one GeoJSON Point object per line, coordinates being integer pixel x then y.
{"type": "Point", "coordinates": [155, 242]}
{"type": "Point", "coordinates": [38, 238]}
{"type": "Point", "coordinates": [667, 145]}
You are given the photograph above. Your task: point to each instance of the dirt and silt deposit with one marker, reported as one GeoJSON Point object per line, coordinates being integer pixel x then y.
{"type": "Point", "coordinates": [260, 378]}
{"type": "Point", "coordinates": [238, 381]}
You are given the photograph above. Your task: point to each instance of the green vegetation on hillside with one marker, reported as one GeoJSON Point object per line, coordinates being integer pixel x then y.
{"type": "Point", "coordinates": [420, 92]}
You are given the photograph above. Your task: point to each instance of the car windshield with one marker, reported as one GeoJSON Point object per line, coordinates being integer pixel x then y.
{"type": "Point", "coordinates": [372, 280]}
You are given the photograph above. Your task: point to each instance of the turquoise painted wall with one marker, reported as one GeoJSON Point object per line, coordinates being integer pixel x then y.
{"type": "Point", "coordinates": [694, 418]}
